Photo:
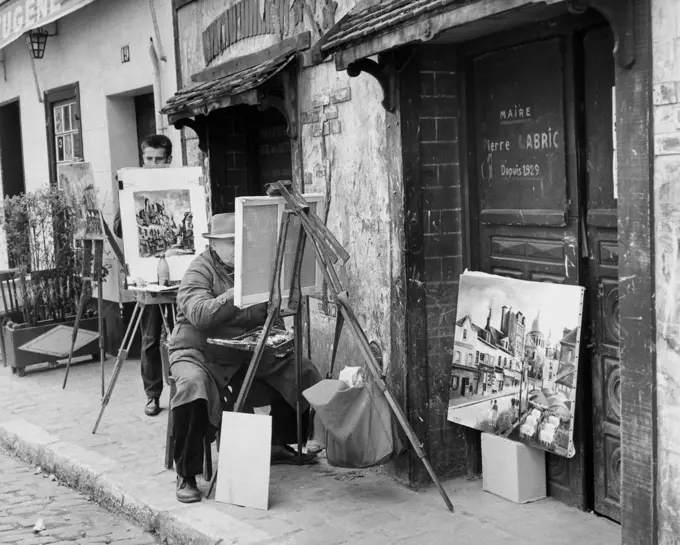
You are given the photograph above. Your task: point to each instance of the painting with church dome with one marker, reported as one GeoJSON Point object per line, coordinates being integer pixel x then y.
{"type": "Point", "coordinates": [515, 359]}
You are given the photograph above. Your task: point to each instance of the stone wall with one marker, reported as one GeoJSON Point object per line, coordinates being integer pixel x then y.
{"type": "Point", "coordinates": [666, 92]}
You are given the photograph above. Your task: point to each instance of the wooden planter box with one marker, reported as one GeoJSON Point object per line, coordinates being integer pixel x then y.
{"type": "Point", "coordinates": [16, 337]}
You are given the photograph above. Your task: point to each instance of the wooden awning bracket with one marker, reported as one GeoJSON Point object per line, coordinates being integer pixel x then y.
{"type": "Point", "coordinates": [267, 100]}
{"type": "Point", "coordinates": [197, 124]}
{"type": "Point", "coordinates": [384, 73]}
{"type": "Point", "coordinates": [621, 17]}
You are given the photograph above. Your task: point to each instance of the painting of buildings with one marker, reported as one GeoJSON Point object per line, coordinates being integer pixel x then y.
{"type": "Point", "coordinates": [164, 223]}
{"type": "Point", "coordinates": [162, 213]}
{"type": "Point", "coordinates": [510, 374]}
{"type": "Point", "coordinates": [76, 180]}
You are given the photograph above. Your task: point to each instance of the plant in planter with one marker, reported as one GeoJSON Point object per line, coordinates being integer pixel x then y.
{"type": "Point", "coordinates": [39, 228]}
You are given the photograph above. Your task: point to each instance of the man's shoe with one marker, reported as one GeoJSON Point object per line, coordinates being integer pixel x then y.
{"type": "Point", "coordinates": [187, 491]}
{"type": "Point", "coordinates": [152, 407]}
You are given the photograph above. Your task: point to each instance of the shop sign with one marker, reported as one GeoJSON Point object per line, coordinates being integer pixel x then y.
{"type": "Point", "coordinates": [20, 16]}
{"type": "Point", "coordinates": [245, 19]}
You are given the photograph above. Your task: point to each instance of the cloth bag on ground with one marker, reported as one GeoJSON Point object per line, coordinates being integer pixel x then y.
{"type": "Point", "coordinates": [360, 429]}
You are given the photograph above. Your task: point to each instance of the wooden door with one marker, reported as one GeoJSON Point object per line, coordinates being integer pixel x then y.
{"type": "Point", "coordinates": [524, 190]}
{"type": "Point", "coordinates": [602, 270]}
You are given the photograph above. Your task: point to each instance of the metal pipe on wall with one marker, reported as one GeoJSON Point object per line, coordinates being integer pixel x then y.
{"type": "Point", "coordinates": [157, 89]}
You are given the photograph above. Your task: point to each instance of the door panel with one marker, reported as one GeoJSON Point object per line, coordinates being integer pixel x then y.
{"type": "Point", "coordinates": [602, 266]}
{"type": "Point", "coordinates": [526, 222]}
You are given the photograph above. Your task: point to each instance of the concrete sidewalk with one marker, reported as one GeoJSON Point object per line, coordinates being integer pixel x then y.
{"type": "Point", "coordinates": [122, 468]}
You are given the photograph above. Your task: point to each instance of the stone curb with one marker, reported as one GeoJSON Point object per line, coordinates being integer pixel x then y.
{"type": "Point", "coordinates": [111, 486]}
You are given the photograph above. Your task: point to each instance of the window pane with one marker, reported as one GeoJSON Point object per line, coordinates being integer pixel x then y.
{"type": "Point", "coordinates": [68, 147]}
{"type": "Point", "coordinates": [67, 117]}
{"type": "Point", "coordinates": [75, 117]}
{"type": "Point", "coordinates": [60, 148]}
{"type": "Point", "coordinates": [58, 120]}
{"type": "Point", "coordinates": [77, 150]}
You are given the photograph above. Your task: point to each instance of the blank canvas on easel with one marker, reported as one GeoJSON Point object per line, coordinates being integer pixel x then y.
{"type": "Point", "coordinates": [258, 221]}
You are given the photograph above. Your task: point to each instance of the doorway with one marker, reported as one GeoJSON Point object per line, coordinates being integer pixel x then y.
{"type": "Point", "coordinates": [542, 202]}
{"type": "Point", "coordinates": [145, 120]}
{"type": "Point", "coordinates": [11, 150]}
{"type": "Point", "coordinates": [11, 153]}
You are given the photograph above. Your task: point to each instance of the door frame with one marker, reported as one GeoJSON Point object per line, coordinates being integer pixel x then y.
{"type": "Point", "coordinates": [636, 271]}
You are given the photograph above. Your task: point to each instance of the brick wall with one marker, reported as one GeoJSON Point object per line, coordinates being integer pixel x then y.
{"type": "Point", "coordinates": [228, 163]}
{"type": "Point", "coordinates": [442, 245]}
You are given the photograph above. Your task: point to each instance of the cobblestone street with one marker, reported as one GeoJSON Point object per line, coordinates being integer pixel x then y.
{"type": "Point", "coordinates": [28, 495]}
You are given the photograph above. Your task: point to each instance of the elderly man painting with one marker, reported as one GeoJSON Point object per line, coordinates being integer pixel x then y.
{"type": "Point", "coordinates": [202, 372]}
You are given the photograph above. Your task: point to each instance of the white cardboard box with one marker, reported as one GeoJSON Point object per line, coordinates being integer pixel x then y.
{"type": "Point", "coordinates": [512, 470]}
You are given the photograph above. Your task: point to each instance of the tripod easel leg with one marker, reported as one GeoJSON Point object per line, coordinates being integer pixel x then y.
{"type": "Point", "coordinates": [100, 327]}
{"type": "Point", "coordinates": [374, 366]}
{"type": "Point", "coordinates": [120, 359]}
{"type": "Point", "coordinates": [84, 296]}
{"type": "Point", "coordinates": [98, 259]}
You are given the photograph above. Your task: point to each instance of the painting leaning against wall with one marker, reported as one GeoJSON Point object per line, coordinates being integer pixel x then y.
{"type": "Point", "coordinates": [515, 360]}
{"type": "Point", "coordinates": [164, 222]}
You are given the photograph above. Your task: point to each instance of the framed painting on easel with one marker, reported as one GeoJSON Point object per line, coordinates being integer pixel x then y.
{"type": "Point", "coordinates": [258, 221]}
{"type": "Point", "coordinates": [163, 213]}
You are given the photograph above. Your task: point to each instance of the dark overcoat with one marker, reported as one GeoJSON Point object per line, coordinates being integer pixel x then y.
{"type": "Point", "coordinates": [202, 370]}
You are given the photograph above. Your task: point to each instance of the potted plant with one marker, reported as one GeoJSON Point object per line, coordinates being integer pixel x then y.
{"type": "Point", "coordinates": [39, 227]}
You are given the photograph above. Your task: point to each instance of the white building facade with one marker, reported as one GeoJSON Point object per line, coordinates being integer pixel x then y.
{"type": "Point", "coordinates": [107, 70]}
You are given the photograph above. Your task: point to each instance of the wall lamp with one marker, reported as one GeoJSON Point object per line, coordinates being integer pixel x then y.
{"type": "Point", "coordinates": [37, 40]}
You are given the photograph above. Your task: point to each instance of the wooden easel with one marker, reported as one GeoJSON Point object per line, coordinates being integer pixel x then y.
{"type": "Point", "coordinates": [91, 272]}
{"type": "Point", "coordinates": [328, 251]}
{"type": "Point", "coordinates": [144, 298]}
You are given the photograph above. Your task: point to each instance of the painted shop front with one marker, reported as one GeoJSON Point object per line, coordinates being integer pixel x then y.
{"type": "Point", "coordinates": [513, 118]}
{"type": "Point", "coordinates": [505, 137]}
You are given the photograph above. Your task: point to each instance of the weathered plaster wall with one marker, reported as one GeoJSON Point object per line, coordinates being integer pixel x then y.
{"type": "Point", "coordinates": [666, 49]}
{"type": "Point", "coordinates": [345, 155]}
{"type": "Point", "coordinates": [87, 50]}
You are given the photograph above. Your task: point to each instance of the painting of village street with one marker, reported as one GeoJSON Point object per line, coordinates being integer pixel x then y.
{"type": "Point", "coordinates": [164, 223]}
{"type": "Point", "coordinates": [515, 360]}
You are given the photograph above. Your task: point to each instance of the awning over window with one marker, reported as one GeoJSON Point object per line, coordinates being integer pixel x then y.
{"type": "Point", "coordinates": [239, 88]}
{"type": "Point", "coordinates": [20, 16]}
{"type": "Point", "coordinates": [378, 18]}
{"type": "Point", "coordinates": [374, 27]}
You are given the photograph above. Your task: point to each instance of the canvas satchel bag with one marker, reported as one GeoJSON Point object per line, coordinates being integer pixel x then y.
{"type": "Point", "coordinates": [360, 430]}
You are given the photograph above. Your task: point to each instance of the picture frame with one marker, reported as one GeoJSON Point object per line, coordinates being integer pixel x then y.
{"type": "Point", "coordinates": [258, 222]}
{"type": "Point", "coordinates": [162, 212]}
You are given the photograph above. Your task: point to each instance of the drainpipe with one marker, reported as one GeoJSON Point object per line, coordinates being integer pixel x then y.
{"type": "Point", "coordinates": [157, 89]}
{"type": "Point", "coordinates": [2, 61]}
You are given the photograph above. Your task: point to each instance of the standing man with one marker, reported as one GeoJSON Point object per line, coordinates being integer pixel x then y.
{"type": "Point", "coordinates": [156, 153]}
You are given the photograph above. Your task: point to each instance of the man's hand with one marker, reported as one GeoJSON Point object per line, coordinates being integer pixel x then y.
{"type": "Point", "coordinates": [227, 296]}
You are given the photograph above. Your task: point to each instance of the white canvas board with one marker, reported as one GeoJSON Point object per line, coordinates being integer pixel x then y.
{"type": "Point", "coordinates": [244, 467]}
{"type": "Point", "coordinates": [162, 212]}
{"type": "Point", "coordinates": [258, 222]}
{"type": "Point", "coordinates": [515, 360]}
